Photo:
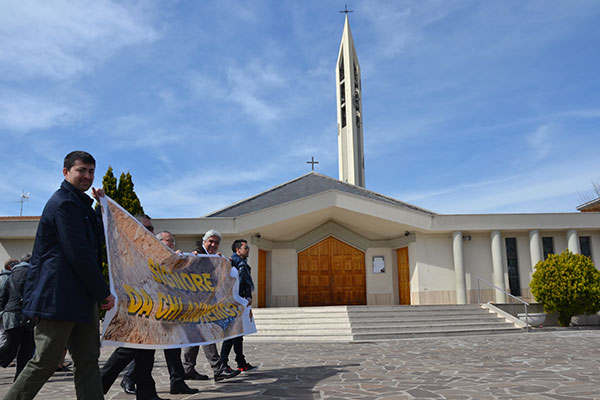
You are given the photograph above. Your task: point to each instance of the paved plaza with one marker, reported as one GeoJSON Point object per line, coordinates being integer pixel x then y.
{"type": "Point", "coordinates": [551, 364]}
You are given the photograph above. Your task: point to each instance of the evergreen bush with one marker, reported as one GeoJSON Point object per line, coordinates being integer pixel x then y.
{"type": "Point", "coordinates": [122, 193]}
{"type": "Point", "coordinates": [568, 284]}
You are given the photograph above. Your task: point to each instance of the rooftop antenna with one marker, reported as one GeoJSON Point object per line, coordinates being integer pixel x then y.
{"type": "Point", "coordinates": [23, 198]}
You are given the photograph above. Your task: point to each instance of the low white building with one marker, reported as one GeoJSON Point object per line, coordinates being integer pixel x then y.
{"type": "Point", "coordinates": [318, 241]}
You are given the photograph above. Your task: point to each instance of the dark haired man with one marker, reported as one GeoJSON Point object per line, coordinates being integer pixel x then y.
{"type": "Point", "coordinates": [18, 332]}
{"type": "Point", "coordinates": [239, 260]}
{"type": "Point", "coordinates": [5, 273]}
{"type": "Point", "coordinates": [64, 285]}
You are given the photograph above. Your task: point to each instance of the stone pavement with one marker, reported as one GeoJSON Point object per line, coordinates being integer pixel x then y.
{"type": "Point", "coordinates": [547, 364]}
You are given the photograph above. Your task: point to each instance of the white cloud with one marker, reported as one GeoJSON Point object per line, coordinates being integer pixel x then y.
{"type": "Point", "coordinates": [583, 114]}
{"type": "Point", "coordinates": [62, 39]}
{"type": "Point", "coordinates": [510, 193]}
{"type": "Point", "coordinates": [253, 87]}
{"type": "Point", "coordinates": [540, 141]}
{"type": "Point", "coordinates": [20, 112]}
{"type": "Point", "coordinates": [46, 46]}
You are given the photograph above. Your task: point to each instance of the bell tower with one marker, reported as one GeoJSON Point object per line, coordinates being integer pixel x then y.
{"type": "Point", "coordinates": [351, 158]}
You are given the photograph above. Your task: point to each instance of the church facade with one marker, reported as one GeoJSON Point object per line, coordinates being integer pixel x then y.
{"type": "Point", "coordinates": [318, 241]}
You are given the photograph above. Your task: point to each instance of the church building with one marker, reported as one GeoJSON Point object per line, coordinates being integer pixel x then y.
{"type": "Point", "coordinates": [318, 240]}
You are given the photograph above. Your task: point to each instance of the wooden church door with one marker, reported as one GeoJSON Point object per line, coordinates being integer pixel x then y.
{"type": "Point", "coordinates": [403, 275]}
{"type": "Point", "coordinates": [331, 273]}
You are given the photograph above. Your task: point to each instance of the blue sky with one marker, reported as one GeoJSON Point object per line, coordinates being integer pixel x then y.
{"type": "Point", "coordinates": [468, 106]}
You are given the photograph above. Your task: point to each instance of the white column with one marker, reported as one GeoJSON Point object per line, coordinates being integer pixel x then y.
{"type": "Point", "coordinates": [573, 241]}
{"type": "Point", "coordinates": [459, 268]}
{"type": "Point", "coordinates": [535, 248]}
{"type": "Point", "coordinates": [496, 239]}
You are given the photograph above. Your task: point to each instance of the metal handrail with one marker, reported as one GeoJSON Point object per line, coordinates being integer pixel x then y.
{"type": "Point", "coordinates": [505, 292]}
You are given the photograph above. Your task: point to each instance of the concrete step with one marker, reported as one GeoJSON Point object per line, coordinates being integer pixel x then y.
{"type": "Point", "coordinates": [359, 323]}
{"type": "Point", "coordinates": [434, 333]}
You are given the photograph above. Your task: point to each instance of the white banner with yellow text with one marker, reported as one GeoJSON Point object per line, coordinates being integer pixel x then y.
{"type": "Point", "coordinates": [165, 299]}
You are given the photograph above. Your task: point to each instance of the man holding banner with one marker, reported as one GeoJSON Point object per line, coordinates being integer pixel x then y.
{"type": "Point", "coordinates": [64, 285]}
{"type": "Point", "coordinates": [172, 356]}
{"type": "Point", "coordinates": [210, 245]}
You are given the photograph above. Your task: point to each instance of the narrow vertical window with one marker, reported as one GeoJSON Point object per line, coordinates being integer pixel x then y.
{"type": "Point", "coordinates": [341, 70]}
{"type": "Point", "coordinates": [585, 246]}
{"type": "Point", "coordinates": [343, 116]}
{"type": "Point", "coordinates": [342, 93]}
{"type": "Point", "coordinates": [512, 263]}
{"type": "Point", "coordinates": [548, 246]}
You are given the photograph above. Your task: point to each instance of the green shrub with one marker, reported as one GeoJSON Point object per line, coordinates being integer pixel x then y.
{"type": "Point", "coordinates": [568, 284]}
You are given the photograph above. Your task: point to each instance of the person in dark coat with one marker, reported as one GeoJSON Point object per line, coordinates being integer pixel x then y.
{"type": "Point", "coordinates": [239, 260]}
{"type": "Point", "coordinates": [64, 285]}
{"type": "Point", "coordinates": [19, 334]}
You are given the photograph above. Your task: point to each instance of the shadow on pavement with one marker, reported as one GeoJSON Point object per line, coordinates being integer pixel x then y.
{"type": "Point", "coordinates": [280, 383]}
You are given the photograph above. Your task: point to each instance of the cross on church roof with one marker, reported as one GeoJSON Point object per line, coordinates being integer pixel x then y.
{"type": "Point", "coordinates": [313, 162]}
{"type": "Point", "coordinates": [346, 11]}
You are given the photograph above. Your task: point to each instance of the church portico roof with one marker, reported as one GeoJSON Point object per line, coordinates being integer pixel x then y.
{"type": "Point", "coordinates": [304, 186]}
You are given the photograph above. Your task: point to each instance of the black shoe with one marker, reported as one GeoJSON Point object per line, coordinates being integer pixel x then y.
{"type": "Point", "coordinates": [182, 388]}
{"type": "Point", "coordinates": [246, 367]}
{"type": "Point", "coordinates": [129, 388]}
{"type": "Point", "coordinates": [195, 376]}
{"type": "Point", "coordinates": [226, 374]}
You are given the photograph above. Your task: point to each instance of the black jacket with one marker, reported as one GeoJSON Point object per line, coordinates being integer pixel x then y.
{"type": "Point", "coordinates": [65, 278]}
{"type": "Point", "coordinates": [245, 276]}
{"type": "Point", "coordinates": [9, 300]}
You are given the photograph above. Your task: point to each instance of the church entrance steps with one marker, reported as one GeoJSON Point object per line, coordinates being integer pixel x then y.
{"type": "Point", "coordinates": [365, 323]}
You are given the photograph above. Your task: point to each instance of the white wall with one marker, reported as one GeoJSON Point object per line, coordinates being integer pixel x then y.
{"type": "Point", "coordinates": [436, 265]}
{"type": "Point", "coordinates": [433, 281]}
{"type": "Point", "coordinates": [477, 256]}
{"type": "Point", "coordinates": [284, 285]}
{"type": "Point", "coordinates": [380, 287]}
{"type": "Point", "coordinates": [14, 248]}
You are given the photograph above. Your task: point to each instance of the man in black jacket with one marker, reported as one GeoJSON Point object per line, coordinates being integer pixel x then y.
{"type": "Point", "coordinates": [64, 285]}
{"type": "Point", "coordinates": [239, 260]}
{"type": "Point", "coordinates": [19, 333]}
